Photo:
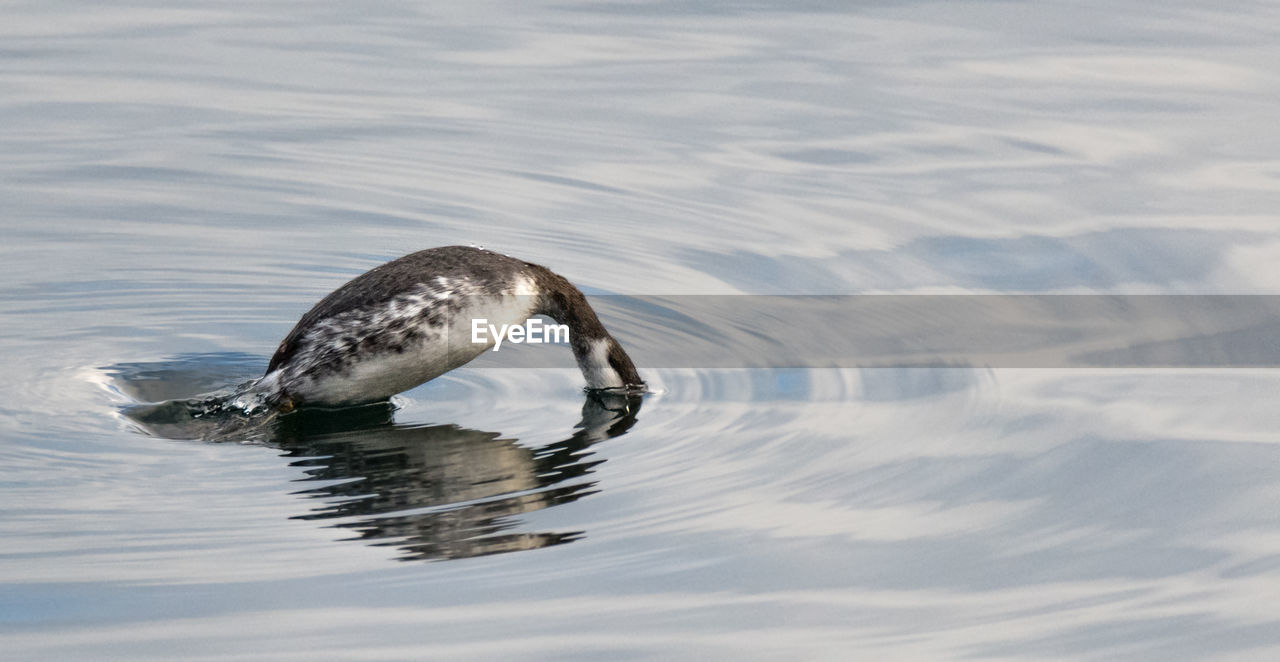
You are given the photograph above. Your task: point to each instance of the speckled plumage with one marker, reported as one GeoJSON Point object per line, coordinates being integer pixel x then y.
{"type": "Point", "coordinates": [408, 321]}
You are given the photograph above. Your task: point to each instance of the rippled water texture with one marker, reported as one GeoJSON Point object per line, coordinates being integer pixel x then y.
{"type": "Point", "coordinates": [179, 182]}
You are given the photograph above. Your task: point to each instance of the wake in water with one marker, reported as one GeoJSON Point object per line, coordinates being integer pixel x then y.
{"type": "Point", "coordinates": [164, 405]}
{"type": "Point", "coordinates": [240, 414]}
{"type": "Point", "coordinates": [188, 398]}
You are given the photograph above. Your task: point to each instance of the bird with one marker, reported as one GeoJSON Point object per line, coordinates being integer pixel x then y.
{"type": "Point", "coordinates": [414, 318]}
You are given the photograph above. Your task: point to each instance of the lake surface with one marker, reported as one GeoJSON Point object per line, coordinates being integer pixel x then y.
{"type": "Point", "coordinates": [180, 181]}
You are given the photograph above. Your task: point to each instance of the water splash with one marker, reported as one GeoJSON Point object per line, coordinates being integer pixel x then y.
{"type": "Point", "coordinates": [239, 414]}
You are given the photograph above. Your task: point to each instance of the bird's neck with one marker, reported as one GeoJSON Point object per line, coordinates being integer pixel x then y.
{"type": "Point", "coordinates": [602, 360]}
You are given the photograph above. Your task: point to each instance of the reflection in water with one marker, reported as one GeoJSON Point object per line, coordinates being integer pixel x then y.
{"type": "Point", "coordinates": [442, 491]}
{"type": "Point", "coordinates": [433, 491]}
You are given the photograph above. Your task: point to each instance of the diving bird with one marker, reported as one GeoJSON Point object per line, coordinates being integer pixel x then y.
{"type": "Point", "coordinates": [412, 319]}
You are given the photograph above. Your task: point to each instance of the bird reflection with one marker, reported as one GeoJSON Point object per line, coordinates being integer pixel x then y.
{"type": "Point", "coordinates": [433, 492]}
{"type": "Point", "coordinates": [443, 491]}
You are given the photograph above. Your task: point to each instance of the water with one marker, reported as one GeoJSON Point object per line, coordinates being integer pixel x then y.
{"type": "Point", "coordinates": [179, 182]}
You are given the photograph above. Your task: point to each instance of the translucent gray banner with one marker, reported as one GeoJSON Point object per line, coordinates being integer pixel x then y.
{"type": "Point", "coordinates": [1016, 331]}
